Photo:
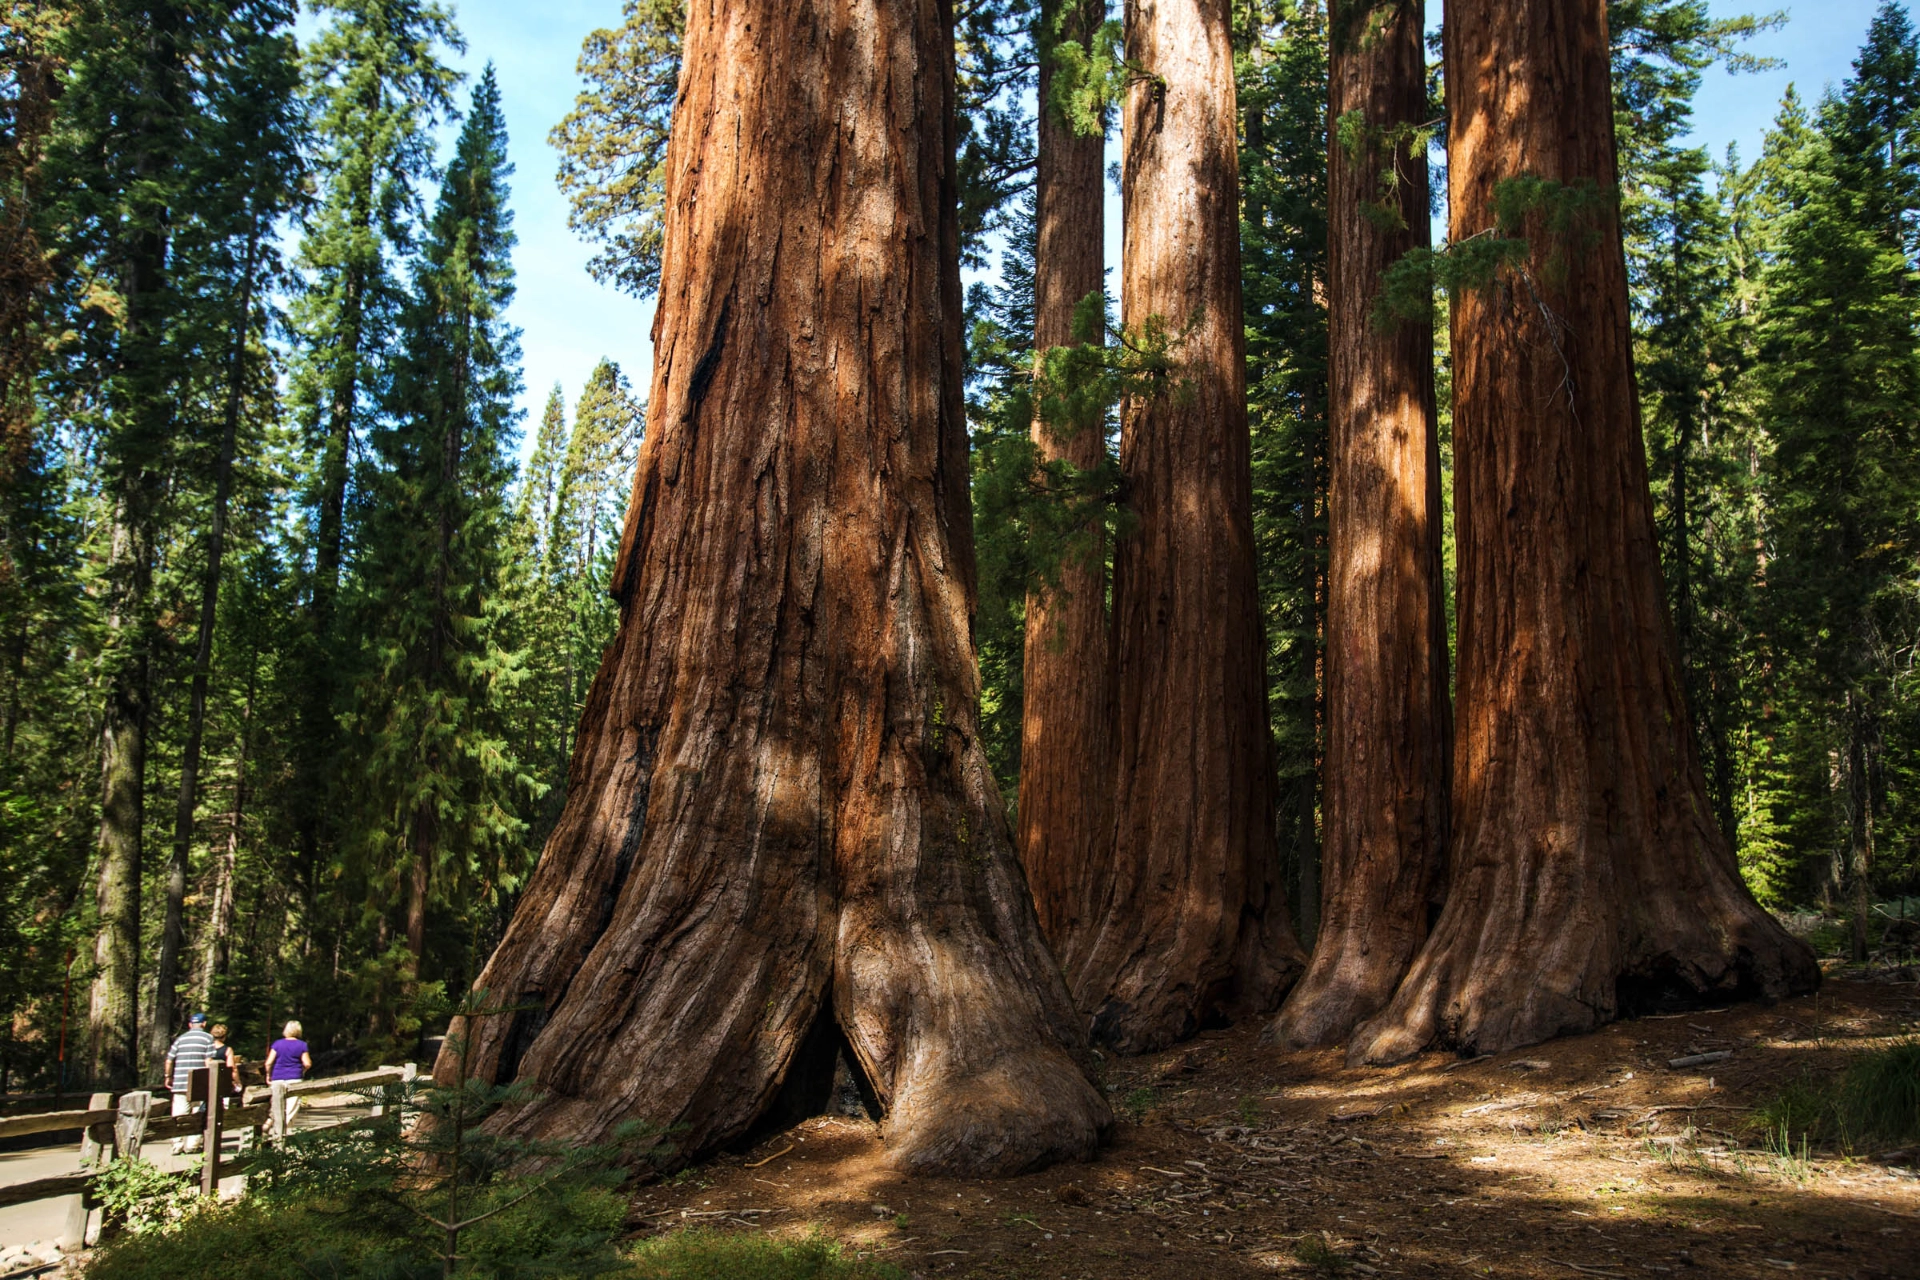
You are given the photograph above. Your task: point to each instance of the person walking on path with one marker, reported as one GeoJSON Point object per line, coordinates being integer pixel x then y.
{"type": "Point", "coordinates": [190, 1051]}
{"type": "Point", "coordinates": [224, 1055]}
{"type": "Point", "coordinates": [288, 1059]}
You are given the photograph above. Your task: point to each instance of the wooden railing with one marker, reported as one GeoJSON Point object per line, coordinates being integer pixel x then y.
{"type": "Point", "coordinates": [117, 1130]}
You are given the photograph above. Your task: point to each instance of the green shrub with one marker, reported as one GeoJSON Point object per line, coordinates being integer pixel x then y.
{"type": "Point", "coordinates": [701, 1254]}
{"type": "Point", "coordinates": [139, 1197]}
{"type": "Point", "coordinates": [319, 1237]}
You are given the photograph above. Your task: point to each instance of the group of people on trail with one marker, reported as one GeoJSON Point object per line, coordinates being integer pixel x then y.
{"type": "Point", "coordinates": [199, 1046]}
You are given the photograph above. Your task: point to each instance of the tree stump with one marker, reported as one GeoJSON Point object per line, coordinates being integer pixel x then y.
{"type": "Point", "coordinates": [779, 810]}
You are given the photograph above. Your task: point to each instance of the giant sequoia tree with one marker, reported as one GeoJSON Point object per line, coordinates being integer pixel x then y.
{"type": "Point", "coordinates": [1588, 875]}
{"type": "Point", "coordinates": [781, 834]}
{"type": "Point", "coordinates": [1193, 918]}
{"type": "Point", "coordinates": [1065, 809]}
{"type": "Point", "coordinates": [1385, 828]}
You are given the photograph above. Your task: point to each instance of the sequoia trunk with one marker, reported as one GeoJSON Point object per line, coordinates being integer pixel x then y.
{"type": "Point", "coordinates": [1589, 878]}
{"type": "Point", "coordinates": [1194, 919]}
{"type": "Point", "coordinates": [1385, 826]}
{"type": "Point", "coordinates": [779, 817]}
{"type": "Point", "coordinates": [1066, 813]}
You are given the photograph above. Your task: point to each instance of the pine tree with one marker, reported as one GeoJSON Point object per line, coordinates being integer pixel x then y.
{"type": "Point", "coordinates": [1841, 368]}
{"type": "Point", "coordinates": [613, 144]}
{"type": "Point", "coordinates": [1690, 357]}
{"type": "Point", "coordinates": [125, 167]}
{"type": "Point", "coordinates": [375, 87]}
{"type": "Point", "coordinates": [228, 260]}
{"type": "Point", "coordinates": [439, 818]}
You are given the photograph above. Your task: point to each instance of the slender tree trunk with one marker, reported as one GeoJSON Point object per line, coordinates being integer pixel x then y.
{"type": "Point", "coordinates": [115, 1003]}
{"type": "Point", "coordinates": [1066, 810]}
{"type": "Point", "coordinates": [1860, 824]}
{"type": "Point", "coordinates": [1194, 921]}
{"type": "Point", "coordinates": [779, 815]}
{"type": "Point", "coordinates": [172, 935]}
{"type": "Point", "coordinates": [217, 952]}
{"type": "Point", "coordinates": [1384, 843]}
{"type": "Point", "coordinates": [315, 758]}
{"type": "Point", "coordinates": [140, 392]}
{"type": "Point", "coordinates": [425, 828]}
{"type": "Point", "coordinates": [1588, 876]}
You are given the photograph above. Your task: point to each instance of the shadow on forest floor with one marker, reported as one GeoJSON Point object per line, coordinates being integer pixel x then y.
{"type": "Point", "coordinates": [1586, 1155]}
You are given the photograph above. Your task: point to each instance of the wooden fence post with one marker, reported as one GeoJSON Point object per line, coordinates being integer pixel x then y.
{"type": "Point", "coordinates": [210, 1166]}
{"type": "Point", "coordinates": [130, 1130]}
{"type": "Point", "coordinates": [96, 1145]}
{"type": "Point", "coordinates": [96, 1142]}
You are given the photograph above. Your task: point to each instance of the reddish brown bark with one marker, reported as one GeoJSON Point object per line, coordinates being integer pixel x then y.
{"type": "Point", "coordinates": [1066, 811]}
{"type": "Point", "coordinates": [779, 808]}
{"type": "Point", "coordinates": [1194, 919]}
{"type": "Point", "coordinates": [1588, 876]}
{"type": "Point", "coordinates": [1384, 829]}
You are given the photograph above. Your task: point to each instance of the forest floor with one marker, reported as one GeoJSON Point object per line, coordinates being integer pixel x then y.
{"type": "Point", "coordinates": [1588, 1155]}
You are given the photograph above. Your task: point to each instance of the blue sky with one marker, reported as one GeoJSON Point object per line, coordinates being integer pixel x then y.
{"type": "Point", "coordinates": [568, 322]}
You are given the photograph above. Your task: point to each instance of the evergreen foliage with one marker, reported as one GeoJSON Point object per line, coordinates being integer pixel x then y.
{"type": "Point", "coordinates": [436, 783]}
{"type": "Point", "coordinates": [613, 144]}
{"type": "Point", "coordinates": [1282, 70]}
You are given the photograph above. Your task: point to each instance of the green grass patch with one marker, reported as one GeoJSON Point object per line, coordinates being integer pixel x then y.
{"type": "Point", "coordinates": [1873, 1104]}
{"type": "Point", "coordinates": [698, 1253]}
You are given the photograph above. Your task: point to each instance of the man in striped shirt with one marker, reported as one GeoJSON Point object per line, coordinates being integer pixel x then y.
{"type": "Point", "coordinates": [191, 1052]}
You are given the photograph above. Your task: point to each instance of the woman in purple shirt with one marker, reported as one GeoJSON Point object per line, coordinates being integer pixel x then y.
{"type": "Point", "coordinates": [287, 1057]}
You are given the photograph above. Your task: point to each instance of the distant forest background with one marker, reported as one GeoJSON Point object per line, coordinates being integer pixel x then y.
{"type": "Point", "coordinates": [293, 645]}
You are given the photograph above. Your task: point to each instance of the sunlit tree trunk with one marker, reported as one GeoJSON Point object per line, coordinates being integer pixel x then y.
{"type": "Point", "coordinates": [1588, 877]}
{"type": "Point", "coordinates": [1065, 812]}
{"type": "Point", "coordinates": [780, 818]}
{"type": "Point", "coordinates": [1388, 718]}
{"type": "Point", "coordinates": [1194, 922]}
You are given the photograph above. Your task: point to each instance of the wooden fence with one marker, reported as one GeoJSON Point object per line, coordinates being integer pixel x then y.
{"type": "Point", "coordinates": [113, 1129]}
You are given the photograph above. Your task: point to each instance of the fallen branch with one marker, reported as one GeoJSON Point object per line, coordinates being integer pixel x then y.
{"type": "Point", "coordinates": [755, 1164]}
{"type": "Point", "coordinates": [1651, 1112]}
{"type": "Point", "coordinates": [1592, 1271]}
{"type": "Point", "coordinates": [1700, 1059]}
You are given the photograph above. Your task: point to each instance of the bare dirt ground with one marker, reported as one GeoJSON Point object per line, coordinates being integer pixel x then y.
{"type": "Point", "coordinates": [1587, 1155]}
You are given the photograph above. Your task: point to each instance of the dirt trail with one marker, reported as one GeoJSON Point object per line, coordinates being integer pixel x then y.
{"type": "Point", "coordinates": [1583, 1156]}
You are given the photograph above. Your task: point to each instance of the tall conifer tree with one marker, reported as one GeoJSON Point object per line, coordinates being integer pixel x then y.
{"type": "Point", "coordinates": [376, 86]}
{"type": "Point", "coordinates": [1841, 369]}
{"type": "Point", "coordinates": [439, 780]}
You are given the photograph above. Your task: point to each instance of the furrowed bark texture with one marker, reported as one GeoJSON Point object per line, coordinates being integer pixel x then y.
{"type": "Point", "coordinates": [1066, 809]}
{"type": "Point", "coordinates": [1388, 717]}
{"type": "Point", "coordinates": [779, 807]}
{"type": "Point", "coordinates": [1588, 876]}
{"type": "Point", "coordinates": [1194, 921]}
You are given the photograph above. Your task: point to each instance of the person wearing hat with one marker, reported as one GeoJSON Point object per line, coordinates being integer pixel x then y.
{"type": "Point", "coordinates": [190, 1052]}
